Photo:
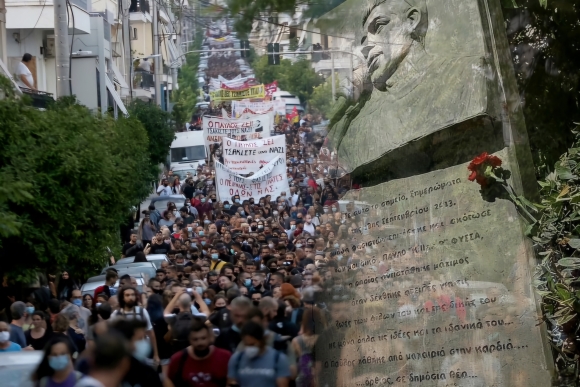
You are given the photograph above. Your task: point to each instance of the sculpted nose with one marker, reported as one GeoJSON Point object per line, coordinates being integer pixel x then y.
{"type": "Point", "coordinates": [366, 50]}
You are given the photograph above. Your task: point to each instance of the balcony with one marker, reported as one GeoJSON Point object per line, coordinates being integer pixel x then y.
{"type": "Point", "coordinates": [32, 14]}
{"type": "Point", "coordinates": [139, 6]}
{"type": "Point", "coordinates": [143, 84]}
{"type": "Point", "coordinates": [40, 99]}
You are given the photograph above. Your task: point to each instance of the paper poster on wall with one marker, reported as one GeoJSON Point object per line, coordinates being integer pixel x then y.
{"type": "Point", "coordinates": [248, 156]}
{"type": "Point", "coordinates": [270, 180]}
{"type": "Point", "coordinates": [216, 128]}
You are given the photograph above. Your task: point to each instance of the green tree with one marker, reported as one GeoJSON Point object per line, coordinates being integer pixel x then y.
{"type": "Point", "coordinates": [321, 100]}
{"type": "Point", "coordinates": [156, 123]}
{"type": "Point", "coordinates": [298, 78]}
{"type": "Point", "coordinates": [69, 180]}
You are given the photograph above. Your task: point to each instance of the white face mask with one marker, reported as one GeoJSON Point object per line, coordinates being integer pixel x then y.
{"type": "Point", "coordinates": [251, 351]}
{"type": "Point", "coordinates": [4, 336]}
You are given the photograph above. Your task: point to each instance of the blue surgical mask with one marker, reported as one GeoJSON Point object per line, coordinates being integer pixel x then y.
{"type": "Point", "coordinates": [142, 349]}
{"type": "Point", "coordinates": [215, 256]}
{"type": "Point", "coordinates": [227, 206]}
{"type": "Point", "coordinates": [236, 329]}
{"type": "Point", "coordinates": [248, 282]}
{"type": "Point", "coordinates": [207, 221]}
{"type": "Point", "coordinates": [58, 363]}
{"type": "Point", "coordinates": [207, 301]}
{"type": "Point", "coordinates": [237, 200]}
{"type": "Point", "coordinates": [201, 234]}
{"type": "Point", "coordinates": [336, 245]}
{"type": "Point", "coordinates": [292, 227]}
{"type": "Point", "coordinates": [77, 302]}
{"type": "Point", "coordinates": [30, 309]}
{"type": "Point", "coordinates": [232, 251]}
{"type": "Point", "coordinates": [203, 243]}
{"type": "Point", "coordinates": [203, 200]}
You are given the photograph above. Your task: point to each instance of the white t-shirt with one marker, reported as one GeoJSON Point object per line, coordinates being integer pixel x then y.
{"type": "Point", "coordinates": [137, 314]}
{"type": "Point", "coordinates": [164, 191]}
{"type": "Point", "coordinates": [145, 65]}
{"type": "Point", "coordinates": [23, 70]}
{"type": "Point", "coordinates": [309, 228]}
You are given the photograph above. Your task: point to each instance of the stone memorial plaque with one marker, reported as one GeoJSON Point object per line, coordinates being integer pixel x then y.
{"type": "Point", "coordinates": [436, 290]}
{"type": "Point", "coordinates": [433, 285]}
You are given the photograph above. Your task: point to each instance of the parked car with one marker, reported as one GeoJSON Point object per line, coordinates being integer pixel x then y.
{"type": "Point", "coordinates": [160, 202]}
{"type": "Point", "coordinates": [128, 268]}
{"type": "Point", "coordinates": [94, 282]}
{"type": "Point", "coordinates": [155, 259]}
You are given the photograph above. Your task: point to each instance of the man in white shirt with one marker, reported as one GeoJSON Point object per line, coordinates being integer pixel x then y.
{"type": "Point", "coordinates": [164, 189]}
{"type": "Point", "coordinates": [129, 309]}
{"type": "Point", "coordinates": [24, 77]}
{"type": "Point", "coordinates": [145, 65]}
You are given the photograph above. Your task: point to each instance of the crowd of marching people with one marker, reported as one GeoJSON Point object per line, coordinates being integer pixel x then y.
{"type": "Point", "coordinates": [240, 301]}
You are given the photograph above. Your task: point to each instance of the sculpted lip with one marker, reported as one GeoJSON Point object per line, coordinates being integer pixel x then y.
{"type": "Point", "coordinates": [373, 59]}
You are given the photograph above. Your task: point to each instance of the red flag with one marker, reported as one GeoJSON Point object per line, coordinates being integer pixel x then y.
{"type": "Point", "coordinates": [294, 116]}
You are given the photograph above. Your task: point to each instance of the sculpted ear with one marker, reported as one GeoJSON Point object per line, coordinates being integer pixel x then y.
{"type": "Point", "coordinates": [414, 18]}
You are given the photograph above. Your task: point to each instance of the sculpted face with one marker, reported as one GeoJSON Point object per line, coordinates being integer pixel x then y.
{"type": "Point", "coordinates": [390, 31]}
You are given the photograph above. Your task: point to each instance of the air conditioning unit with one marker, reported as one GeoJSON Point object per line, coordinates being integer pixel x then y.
{"type": "Point", "coordinates": [49, 47]}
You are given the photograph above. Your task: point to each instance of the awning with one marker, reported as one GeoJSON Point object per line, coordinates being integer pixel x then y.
{"type": "Point", "coordinates": [173, 52]}
{"type": "Point", "coordinates": [9, 76]}
{"type": "Point", "coordinates": [115, 95]}
{"type": "Point", "coordinates": [119, 78]}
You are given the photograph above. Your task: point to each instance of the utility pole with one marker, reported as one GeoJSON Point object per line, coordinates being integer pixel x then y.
{"type": "Point", "coordinates": [62, 49]}
{"type": "Point", "coordinates": [157, 61]}
{"type": "Point", "coordinates": [124, 7]}
{"type": "Point", "coordinates": [332, 77]}
{"type": "Point", "coordinates": [3, 57]}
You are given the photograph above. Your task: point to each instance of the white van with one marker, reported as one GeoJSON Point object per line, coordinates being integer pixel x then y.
{"type": "Point", "coordinates": [291, 101]}
{"type": "Point", "coordinates": [188, 149]}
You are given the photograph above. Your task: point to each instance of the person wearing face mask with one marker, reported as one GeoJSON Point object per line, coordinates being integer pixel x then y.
{"type": "Point", "coordinates": [216, 263]}
{"type": "Point", "coordinates": [236, 203]}
{"type": "Point", "coordinates": [56, 367]}
{"type": "Point", "coordinates": [262, 365]}
{"type": "Point", "coordinates": [6, 345]}
{"type": "Point", "coordinates": [139, 373]}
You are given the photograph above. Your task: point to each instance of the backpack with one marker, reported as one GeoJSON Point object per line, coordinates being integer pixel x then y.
{"type": "Point", "coordinates": [135, 313]}
{"type": "Point", "coordinates": [180, 330]}
{"type": "Point", "coordinates": [178, 380]}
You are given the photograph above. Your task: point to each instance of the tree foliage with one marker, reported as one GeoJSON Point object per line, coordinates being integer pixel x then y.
{"type": "Point", "coordinates": [185, 97]}
{"type": "Point", "coordinates": [321, 99]}
{"type": "Point", "coordinates": [69, 179]}
{"type": "Point", "coordinates": [156, 123]}
{"type": "Point", "coordinates": [298, 78]}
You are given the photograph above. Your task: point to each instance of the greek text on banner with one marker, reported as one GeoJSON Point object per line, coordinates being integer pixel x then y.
{"type": "Point", "coordinates": [215, 128]}
{"type": "Point", "coordinates": [270, 180]}
{"type": "Point", "coordinates": [248, 156]}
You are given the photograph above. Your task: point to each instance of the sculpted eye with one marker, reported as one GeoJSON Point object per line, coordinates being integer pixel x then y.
{"type": "Point", "coordinates": [376, 25]}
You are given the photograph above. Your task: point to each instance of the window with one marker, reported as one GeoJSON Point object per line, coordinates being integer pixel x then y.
{"type": "Point", "coordinates": [192, 153]}
{"type": "Point", "coordinates": [134, 35]}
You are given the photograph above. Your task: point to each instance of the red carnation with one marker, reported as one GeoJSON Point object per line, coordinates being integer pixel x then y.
{"type": "Point", "coordinates": [479, 168]}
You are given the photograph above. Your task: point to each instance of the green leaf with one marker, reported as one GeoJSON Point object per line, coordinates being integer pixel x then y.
{"type": "Point", "coordinates": [569, 262]}
{"type": "Point", "coordinates": [574, 243]}
{"type": "Point", "coordinates": [564, 173]}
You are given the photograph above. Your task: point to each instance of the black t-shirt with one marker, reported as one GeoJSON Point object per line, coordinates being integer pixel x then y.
{"type": "Point", "coordinates": [140, 374]}
{"type": "Point", "coordinates": [221, 319]}
{"type": "Point", "coordinates": [37, 344]}
{"type": "Point", "coordinates": [228, 340]}
{"type": "Point", "coordinates": [128, 246]}
{"type": "Point", "coordinates": [160, 249]}
{"type": "Point", "coordinates": [188, 220]}
{"type": "Point", "coordinates": [188, 191]}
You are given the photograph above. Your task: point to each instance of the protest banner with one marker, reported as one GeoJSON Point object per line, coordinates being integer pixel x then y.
{"type": "Point", "coordinates": [216, 128]}
{"type": "Point", "coordinates": [270, 180]}
{"type": "Point", "coordinates": [239, 107]}
{"type": "Point", "coordinates": [248, 156]}
{"type": "Point", "coordinates": [229, 95]}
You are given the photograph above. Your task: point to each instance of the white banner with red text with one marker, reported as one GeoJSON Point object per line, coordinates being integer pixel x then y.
{"type": "Point", "coordinates": [270, 180]}
{"type": "Point", "coordinates": [216, 128]}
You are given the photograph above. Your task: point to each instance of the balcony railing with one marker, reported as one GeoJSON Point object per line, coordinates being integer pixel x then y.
{"type": "Point", "coordinates": [40, 99]}
{"type": "Point", "coordinates": [143, 80]}
{"type": "Point", "coordinates": [139, 6]}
